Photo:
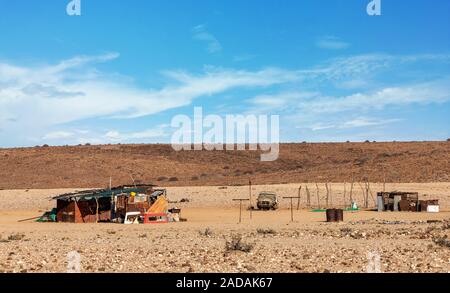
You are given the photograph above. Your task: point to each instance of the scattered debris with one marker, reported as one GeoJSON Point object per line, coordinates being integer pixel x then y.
{"type": "Point", "coordinates": [266, 231]}
{"type": "Point", "coordinates": [16, 237]}
{"type": "Point", "coordinates": [405, 202]}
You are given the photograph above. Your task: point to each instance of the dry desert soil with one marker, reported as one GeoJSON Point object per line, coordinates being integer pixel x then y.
{"type": "Point", "coordinates": [212, 240]}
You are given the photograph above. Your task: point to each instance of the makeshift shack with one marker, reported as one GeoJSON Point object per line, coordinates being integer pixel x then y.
{"type": "Point", "coordinates": [105, 205]}
{"type": "Point", "coordinates": [404, 202]}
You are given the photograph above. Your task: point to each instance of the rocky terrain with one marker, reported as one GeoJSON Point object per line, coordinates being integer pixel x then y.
{"type": "Point", "coordinates": [212, 240]}
{"type": "Point", "coordinates": [92, 166]}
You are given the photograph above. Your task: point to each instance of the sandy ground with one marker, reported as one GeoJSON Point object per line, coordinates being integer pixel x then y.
{"type": "Point", "coordinates": [404, 242]}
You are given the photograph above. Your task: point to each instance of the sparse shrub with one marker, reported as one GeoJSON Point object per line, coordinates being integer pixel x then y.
{"type": "Point", "coordinates": [266, 231]}
{"type": "Point", "coordinates": [111, 232]}
{"type": "Point", "coordinates": [228, 167]}
{"type": "Point", "coordinates": [173, 179]}
{"type": "Point", "coordinates": [87, 144]}
{"type": "Point", "coordinates": [194, 178]}
{"type": "Point", "coordinates": [237, 244]}
{"type": "Point", "coordinates": [162, 178]}
{"type": "Point", "coordinates": [143, 236]}
{"type": "Point", "coordinates": [448, 139]}
{"type": "Point", "coordinates": [346, 230]}
{"type": "Point", "coordinates": [45, 146]}
{"type": "Point", "coordinates": [16, 237]}
{"type": "Point", "coordinates": [206, 233]}
{"type": "Point", "coordinates": [184, 200]}
{"type": "Point", "coordinates": [442, 241]}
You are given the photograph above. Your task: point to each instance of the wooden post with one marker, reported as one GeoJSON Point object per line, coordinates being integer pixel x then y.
{"type": "Point", "coordinates": [345, 191]}
{"type": "Point", "coordinates": [318, 199]}
{"type": "Point", "coordinates": [299, 195]}
{"type": "Point", "coordinates": [308, 197]}
{"type": "Point", "coordinates": [240, 207]}
{"type": "Point", "coordinates": [371, 194]}
{"type": "Point", "coordinates": [351, 192]}
{"type": "Point", "coordinates": [292, 206]}
{"type": "Point", "coordinates": [328, 194]}
{"type": "Point", "coordinates": [96, 201]}
{"type": "Point", "coordinates": [250, 198]}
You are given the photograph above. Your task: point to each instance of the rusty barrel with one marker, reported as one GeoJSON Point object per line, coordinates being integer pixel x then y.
{"type": "Point", "coordinates": [335, 215]}
{"type": "Point", "coordinates": [331, 215]}
{"type": "Point", "coordinates": [340, 215]}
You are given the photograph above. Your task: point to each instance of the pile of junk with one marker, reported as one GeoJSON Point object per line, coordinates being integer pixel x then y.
{"type": "Point", "coordinates": [405, 202]}
{"type": "Point", "coordinates": [134, 204]}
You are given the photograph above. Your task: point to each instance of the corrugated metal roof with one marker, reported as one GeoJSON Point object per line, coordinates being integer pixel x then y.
{"type": "Point", "coordinates": [100, 193]}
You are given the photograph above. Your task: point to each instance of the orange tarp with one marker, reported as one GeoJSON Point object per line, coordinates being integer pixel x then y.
{"type": "Point", "coordinates": [160, 206]}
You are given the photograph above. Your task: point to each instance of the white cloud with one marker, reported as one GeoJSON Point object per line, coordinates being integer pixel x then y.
{"type": "Point", "coordinates": [422, 94]}
{"type": "Point", "coordinates": [58, 135]}
{"type": "Point", "coordinates": [331, 43]}
{"type": "Point", "coordinates": [160, 131]}
{"type": "Point", "coordinates": [355, 123]}
{"type": "Point", "coordinates": [37, 100]}
{"type": "Point", "coordinates": [34, 99]}
{"type": "Point", "coordinates": [312, 103]}
{"type": "Point", "coordinates": [200, 33]}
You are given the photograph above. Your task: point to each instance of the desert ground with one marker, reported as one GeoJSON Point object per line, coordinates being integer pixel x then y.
{"type": "Point", "coordinates": [269, 241]}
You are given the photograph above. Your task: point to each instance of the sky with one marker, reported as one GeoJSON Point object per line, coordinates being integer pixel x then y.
{"type": "Point", "coordinates": [122, 70]}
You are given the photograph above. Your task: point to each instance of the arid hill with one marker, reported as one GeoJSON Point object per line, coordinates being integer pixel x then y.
{"type": "Point", "coordinates": [92, 166]}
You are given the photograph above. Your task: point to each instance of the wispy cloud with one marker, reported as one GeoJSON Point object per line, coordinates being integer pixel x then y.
{"type": "Point", "coordinates": [37, 102]}
{"type": "Point", "coordinates": [355, 123]}
{"type": "Point", "coordinates": [74, 90]}
{"type": "Point", "coordinates": [313, 103]}
{"type": "Point", "coordinates": [331, 43]}
{"type": "Point", "coordinates": [160, 131]}
{"type": "Point", "coordinates": [201, 33]}
{"type": "Point", "coordinates": [58, 135]}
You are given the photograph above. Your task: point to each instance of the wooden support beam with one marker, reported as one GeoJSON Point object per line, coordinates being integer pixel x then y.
{"type": "Point", "coordinates": [240, 207]}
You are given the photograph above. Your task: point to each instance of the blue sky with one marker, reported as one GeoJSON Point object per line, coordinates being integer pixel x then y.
{"type": "Point", "coordinates": [124, 69]}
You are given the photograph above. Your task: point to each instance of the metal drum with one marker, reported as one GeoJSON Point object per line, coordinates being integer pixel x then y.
{"type": "Point", "coordinates": [331, 216]}
{"type": "Point", "coordinates": [335, 215]}
{"type": "Point", "coordinates": [339, 215]}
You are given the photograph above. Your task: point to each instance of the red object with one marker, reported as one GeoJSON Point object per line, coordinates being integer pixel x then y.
{"type": "Point", "coordinates": [159, 218]}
